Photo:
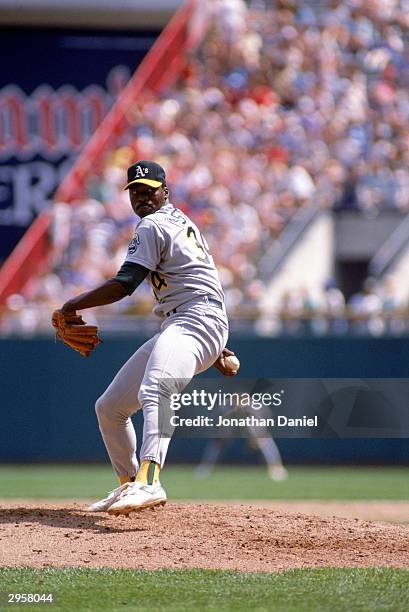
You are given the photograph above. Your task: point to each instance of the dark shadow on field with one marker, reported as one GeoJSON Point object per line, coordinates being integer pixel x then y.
{"type": "Point", "coordinates": [72, 518]}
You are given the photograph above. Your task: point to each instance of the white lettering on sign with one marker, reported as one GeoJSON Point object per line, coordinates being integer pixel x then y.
{"type": "Point", "coordinates": [29, 188]}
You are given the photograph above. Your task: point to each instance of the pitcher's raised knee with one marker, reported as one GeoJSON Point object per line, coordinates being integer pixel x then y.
{"type": "Point", "coordinates": [104, 409]}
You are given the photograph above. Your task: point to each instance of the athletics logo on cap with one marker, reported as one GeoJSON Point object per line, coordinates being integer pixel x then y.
{"type": "Point", "coordinates": [146, 172]}
{"type": "Point", "coordinates": [140, 172]}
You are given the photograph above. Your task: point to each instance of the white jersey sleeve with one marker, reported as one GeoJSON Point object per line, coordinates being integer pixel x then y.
{"type": "Point", "coordinates": [147, 246]}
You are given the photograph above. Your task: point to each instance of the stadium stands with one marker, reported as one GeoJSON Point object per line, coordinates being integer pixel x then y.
{"type": "Point", "coordinates": [286, 105]}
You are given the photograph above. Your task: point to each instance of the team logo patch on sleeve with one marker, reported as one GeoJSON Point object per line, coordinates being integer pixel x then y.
{"type": "Point", "coordinates": [133, 245]}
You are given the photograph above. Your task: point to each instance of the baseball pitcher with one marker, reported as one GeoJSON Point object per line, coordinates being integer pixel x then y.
{"type": "Point", "coordinates": [169, 251]}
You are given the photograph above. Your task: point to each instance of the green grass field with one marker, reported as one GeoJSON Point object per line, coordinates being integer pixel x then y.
{"type": "Point", "coordinates": [246, 483]}
{"type": "Point", "coordinates": [291, 591]}
{"type": "Point", "coordinates": [338, 590]}
{"type": "Point", "coordinates": [306, 590]}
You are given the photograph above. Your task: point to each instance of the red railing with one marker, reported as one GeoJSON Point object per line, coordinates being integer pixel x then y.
{"type": "Point", "coordinates": [159, 69]}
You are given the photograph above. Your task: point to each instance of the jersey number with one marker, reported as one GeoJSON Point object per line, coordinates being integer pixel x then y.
{"type": "Point", "coordinates": [201, 246]}
{"type": "Point", "coordinates": [157, 283]}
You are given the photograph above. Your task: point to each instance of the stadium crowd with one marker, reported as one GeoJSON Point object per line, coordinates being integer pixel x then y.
{"type": "Point", "coordinates": [285, 105]}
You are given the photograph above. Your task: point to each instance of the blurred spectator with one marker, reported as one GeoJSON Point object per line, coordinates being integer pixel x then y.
{"type": "Point", "coordinates": [285, 105]}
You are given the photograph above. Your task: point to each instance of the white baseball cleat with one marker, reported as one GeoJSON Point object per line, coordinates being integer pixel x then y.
{"type": "Point", "coordinates": [111, 498]}
{"type": "Point", "coordinates": [277, 473]}
{"type": "Point", "coordinates": [139, 496]}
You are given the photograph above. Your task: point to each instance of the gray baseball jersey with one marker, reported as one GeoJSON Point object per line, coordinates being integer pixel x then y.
{"type": "Point", "coordinates": [171, 246]}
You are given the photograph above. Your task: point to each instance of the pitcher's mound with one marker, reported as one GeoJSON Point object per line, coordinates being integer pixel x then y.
{"type": "Point", "coordinates": [221, 536]}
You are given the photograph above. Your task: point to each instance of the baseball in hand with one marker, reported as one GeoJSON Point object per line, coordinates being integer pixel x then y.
{"type": "Point", "coordinates": [231, 363]}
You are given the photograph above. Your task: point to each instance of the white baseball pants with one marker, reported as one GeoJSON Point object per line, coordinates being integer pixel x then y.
{"type": "Point", "coordinates": [189, 343]}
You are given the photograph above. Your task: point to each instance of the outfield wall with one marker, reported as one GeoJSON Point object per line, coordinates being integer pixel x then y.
{"type": "Point", "coordinates": [48, 394]}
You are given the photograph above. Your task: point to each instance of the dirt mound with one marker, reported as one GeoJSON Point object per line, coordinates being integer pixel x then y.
{"type": "Point", "coordinates": [241, 537]}
{"type": "Point", "coordinates": [389, 511]}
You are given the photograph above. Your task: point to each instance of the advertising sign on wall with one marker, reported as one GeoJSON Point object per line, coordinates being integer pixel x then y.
{"type": "Point", "coordinates": [55, 89]}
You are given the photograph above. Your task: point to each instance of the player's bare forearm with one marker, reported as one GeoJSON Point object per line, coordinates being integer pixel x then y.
{"type": "Point", "coordinates": [109, 292]}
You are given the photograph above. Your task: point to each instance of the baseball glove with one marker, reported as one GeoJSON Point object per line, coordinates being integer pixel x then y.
{"type": "Point", "coordinates": [74, 332]}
